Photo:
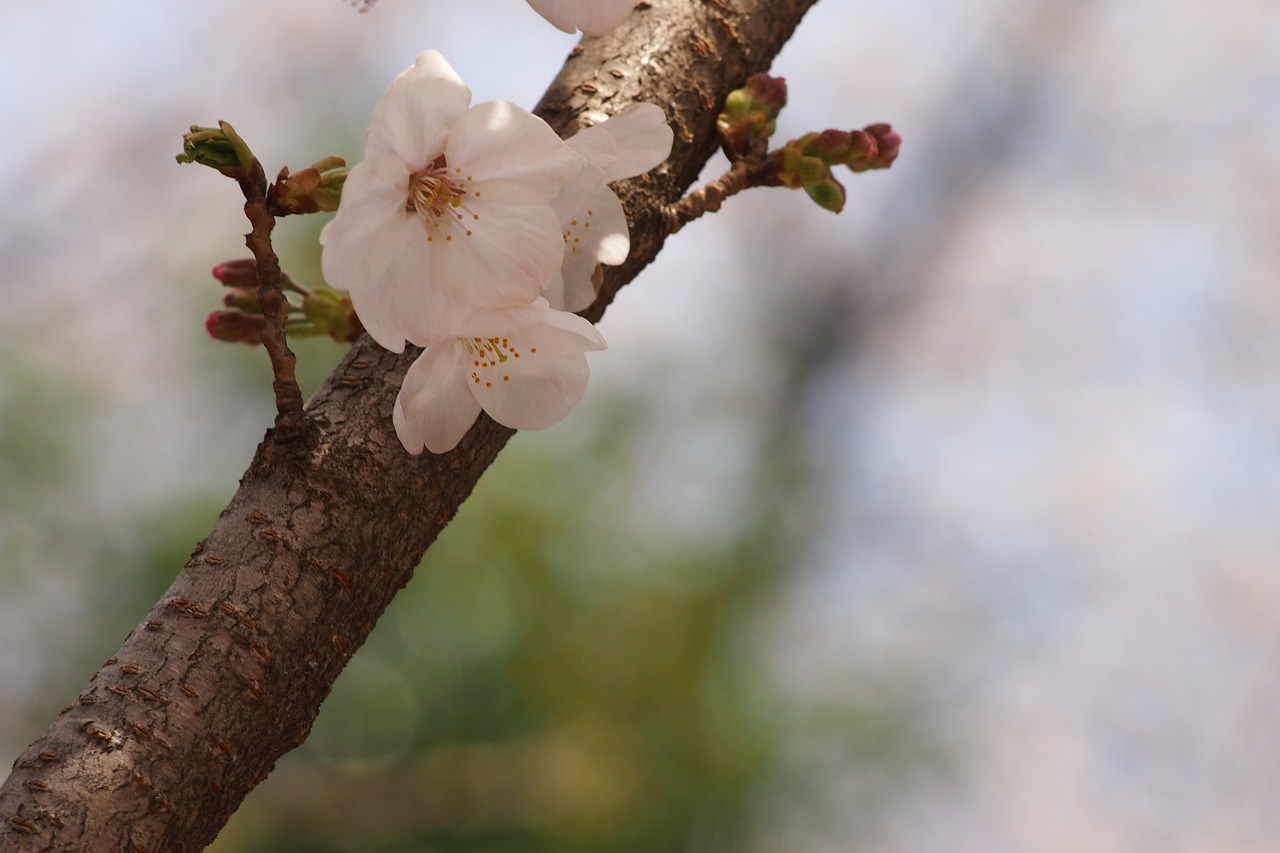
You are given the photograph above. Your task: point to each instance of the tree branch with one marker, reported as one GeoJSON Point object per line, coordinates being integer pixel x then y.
{"type": "Point", "coordinates": [290, 416]}
{"type": "Point", "coordinates": [228, 670]}
{"type": "Point", "coordinates": [742, 175]}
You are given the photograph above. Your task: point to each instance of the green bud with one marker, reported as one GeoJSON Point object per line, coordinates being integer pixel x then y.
{"type": "Point", "coordinates": [331, 313]}
{"type": "Point", "coordinates": [828, 193]}
{"type": "Point", "coordinates": [218, 148]}
{"type": "Point", "coordinates": [244, 298]}
{"type": "Point", "coordinates": [799, 167]}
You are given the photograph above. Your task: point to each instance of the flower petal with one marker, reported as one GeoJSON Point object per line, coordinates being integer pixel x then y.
{"type": "Point", "coordinates": [593, 17]}
{"type": "Point", "coordinates": [541, 373]}
{"type": "Point", "coordinates": [388, 303]}
{"type": "Point", "coordinates": [363, 238]}
{"type": "Point", "coordinates": [579, 191]}
{"type": "Point", "coordinates": [597, 235]}
{"type": "Point", "coordinates": [429, 291]}
{"type": "Point", "coordinates": [623, 146]}
{"type": "Point", "coordinates": [554, 293]}
{"type": "Point", "coordinates": [432, 291]}
{"type": "Point", "coordinates": [601, 231]}
{"type": "Point", "coordinates": [511, 253]}
{"type": "Point", "coordinates": [435, 406]}
{"type": "Point", "coordinates": [595, 145]}
{"type": "Point", "coordinates": [414, 118]}
{"type": "Point", "coordinates": [643, 139]}
{"type": "Point", "coordinates": [510, 155]}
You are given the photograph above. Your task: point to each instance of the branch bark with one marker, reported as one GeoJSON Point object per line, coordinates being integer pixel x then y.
{"type": "Point", "coordinates": [228, 670]}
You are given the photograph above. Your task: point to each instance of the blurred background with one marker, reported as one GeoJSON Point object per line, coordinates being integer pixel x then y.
{"type": "Point", "coordinates": [946, 524]}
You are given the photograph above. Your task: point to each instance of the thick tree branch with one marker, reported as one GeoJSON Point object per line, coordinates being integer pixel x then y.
{"type": "Point", "coordinates": [228, 670]}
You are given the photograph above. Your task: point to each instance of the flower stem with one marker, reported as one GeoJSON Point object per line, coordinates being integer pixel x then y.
{"type": "Point", "coordinates": [289, 284]}
{"type": "Point", "coordinates": [290, 417]}
{"type": "Point", "coordinates": [742, 175]}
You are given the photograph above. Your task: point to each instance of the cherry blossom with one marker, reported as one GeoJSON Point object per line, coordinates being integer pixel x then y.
{"type": "Point", "coordinates": [593, 17]}
{"type": "Point", "coordinates": [594, 224]}
{"type": "Point", "coordinates": [525, 367]}
{"type": "Point", "coordinates": [450, 212]}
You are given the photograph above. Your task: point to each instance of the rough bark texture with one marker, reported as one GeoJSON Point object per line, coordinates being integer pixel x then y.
{"type": "Point", "coordinates": [228, 670]}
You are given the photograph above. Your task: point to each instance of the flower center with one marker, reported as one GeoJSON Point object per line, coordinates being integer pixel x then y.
{"type": "Point", "coordinates": [489, 357]}
{"type": "Point", "coordinates": [438, 195]}
{"type": "Point", "coordinates": [577, 225]}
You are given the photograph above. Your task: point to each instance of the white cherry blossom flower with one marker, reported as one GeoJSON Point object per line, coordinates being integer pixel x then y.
{"type": "Point", "coordinates": [593, 17]}
{"type": "Point", "coordinates": [450, 211]}
{"type": "Point", "coordinates": [594, 224]}
{"type": "Point", "coordinates": [526, 367]}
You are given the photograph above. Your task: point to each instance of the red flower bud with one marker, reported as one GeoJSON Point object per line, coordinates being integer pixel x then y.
{"type": "Point", "coordinates": [242, 272]}
{"type": "Point", "coordinates": [887, 143]}
{"type": "Point", "coordinates": [769, 93]}
{"type": "Point", "coordinates": [235, 326]}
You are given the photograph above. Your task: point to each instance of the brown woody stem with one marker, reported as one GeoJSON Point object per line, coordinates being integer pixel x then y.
{"type": "Point", "coordinates": [742, 175]}
{"type": "Point", "coordinates": [290, 417]}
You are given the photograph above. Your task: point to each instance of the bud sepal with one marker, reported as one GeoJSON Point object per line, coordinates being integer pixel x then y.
{"type": "Point", "coordinates": [315, 189]}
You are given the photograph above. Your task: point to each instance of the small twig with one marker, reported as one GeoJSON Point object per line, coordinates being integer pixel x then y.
{"type": "Point", "coordinates": [275, 307]}
{"type": "Point", "coordinates": [742, 175]}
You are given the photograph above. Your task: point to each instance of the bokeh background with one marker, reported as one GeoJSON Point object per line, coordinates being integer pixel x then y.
{"type": "Point", "coordinates": [946, 524]}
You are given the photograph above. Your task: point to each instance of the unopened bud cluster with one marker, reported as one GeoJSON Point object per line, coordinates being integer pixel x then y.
{"type": "Point", "coordinates": [315, 189]}
{"type": "Point", "coordinates": [807, 162]}
{"type": "Point", "coordinates": [750, 117]}
{"type": "Point", "coordinates": [312, 313]}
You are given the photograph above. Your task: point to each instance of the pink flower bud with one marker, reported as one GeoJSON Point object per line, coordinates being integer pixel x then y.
{"type": "Point", "coordinates": [887, 144]}
{"type": "Point", "coordinates": [235, 326]}
{"type": "Point", "coordinates": [242, 272]}
{"type": "Point", "coordinates": [860, 151]}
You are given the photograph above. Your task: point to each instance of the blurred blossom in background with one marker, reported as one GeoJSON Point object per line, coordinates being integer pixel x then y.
{"type": "Point", "coordinates": [946, 524]}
